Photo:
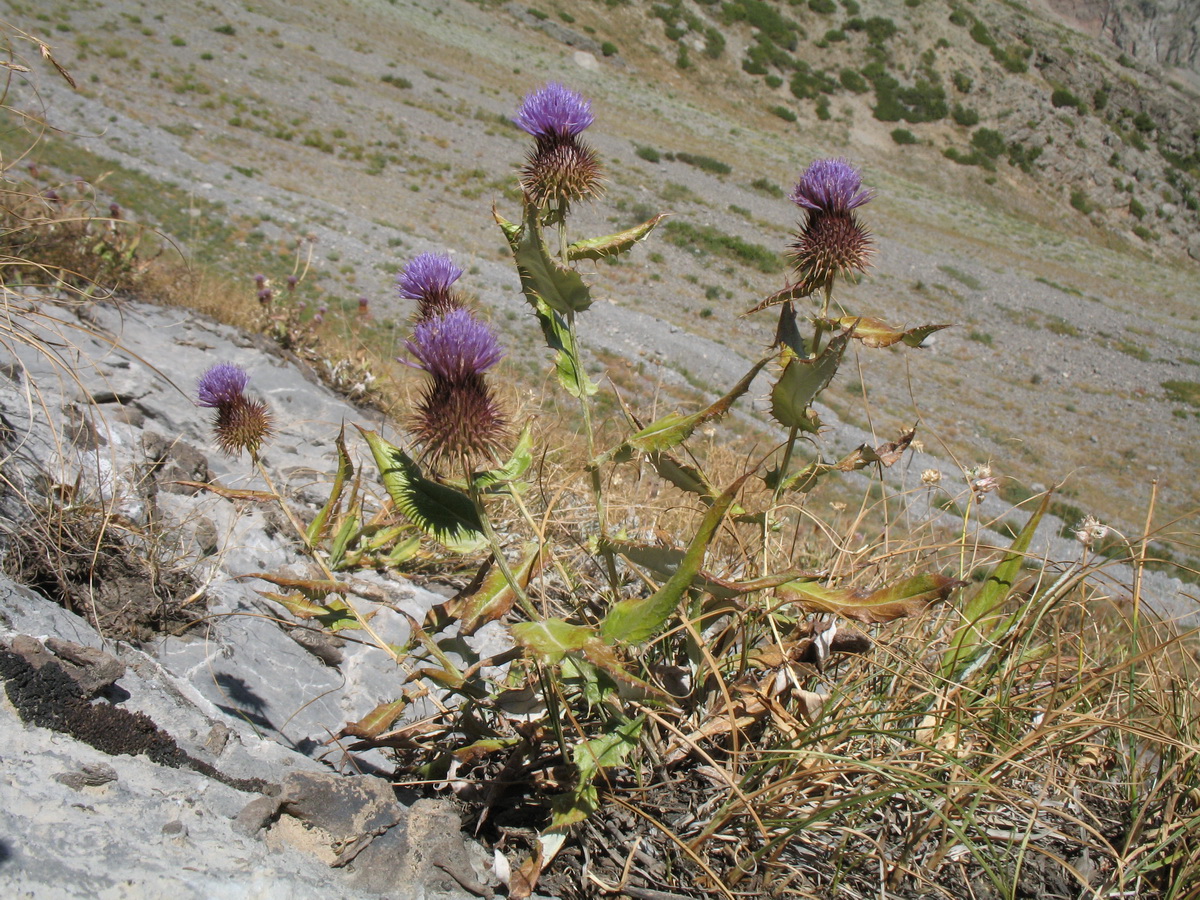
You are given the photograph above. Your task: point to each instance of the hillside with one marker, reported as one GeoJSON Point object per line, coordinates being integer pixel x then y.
{"type": "Point", "coordinates": [1035, 188]}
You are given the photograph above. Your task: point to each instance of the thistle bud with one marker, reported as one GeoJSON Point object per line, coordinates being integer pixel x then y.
{"type": "Point", "coordinates": [241, 423]}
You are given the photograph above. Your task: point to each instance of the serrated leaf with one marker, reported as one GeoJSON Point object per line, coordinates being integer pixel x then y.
{"type": "Point", "coordinates": [802, 381]}
{"type": "Point", "coordinates": [608, 750]}
{"type": "Point", "coordinates": [345, 471]}
{"type": "Point", "coordinates": [517, 464]}
{"type": "Point", "coordinates": [334, 615]}
{"type": "Point", "coordinates": [636, 620]}
{"type": "Point", "coordinates": [874, 332]}
{"type": "Point", "coordinates": [675, 428]}
{"type": "Point", "coordinates": [612, 244]}
{"type": "Point", "coordinates": [663, 562]}
{"type": "Point", "coordinates": [908, 597]}
{"type": "Point", "coordinates": [551, 639]}
{"type": "Point", "coordinates": [337, 550]}
{"type": "Point", "coordinates": [562, 289]}
{"type": "Point", "coordinates": [377, 721]}
{"type": "Point", "coordinates": [312, 588]}
{"type": "Point", "coordinates": [685, 477]}
{"type": "Point", "coordinates": [446, 515]}
{"type": "Point", "coordinates": [495, 595]}
{"type": "Point", "coordinates": [796, 291]}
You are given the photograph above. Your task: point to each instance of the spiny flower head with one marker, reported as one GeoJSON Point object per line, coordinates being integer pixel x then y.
{"type": "Point", "coordinates": [452, 346]}
{"type": "Point", "coordinates": [457, 417]}
{"type": "Point", "coordinates": [554, 110]}
{"type": "Point", "coordinates": [428, 279]}
{"type": "Point", "coordinates": [831, 244]}
{"type": "Point", "coordinates": [241, 423]}
{"type": "Point", "coordinates": [832, 241]}
{"type": "Point", "coordinates": [561, 168]}
{"type": "Point", "coordinates": [830, 186]}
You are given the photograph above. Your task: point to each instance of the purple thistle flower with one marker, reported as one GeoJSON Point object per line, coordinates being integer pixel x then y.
{"type": "Point", "coordinates": [555, 110]}
{"type": "Point", "coordinates": [292, 281]}
{"type": "Point", "coordinates": [265, 296]}
{"type": "Point", "coordinates": [114, 210]}
{"type": "Point", "coordinates": [241, 423]}
{"type": "Point", "coordinates": [830, 186]}
{"type": "Point", "coordinates": [427, 275]}
{"type": "Point", "coordinates": [223, 383]}
{"type": "Point", "coordinates": [260, 280]}
{"type": "Point", "coordinates": [454, 347]}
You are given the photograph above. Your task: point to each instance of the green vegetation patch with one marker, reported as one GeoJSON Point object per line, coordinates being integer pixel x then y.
{"type": "Point", "coordinates": [1181, 391]}
{"type": "Point", "coordinates": [705, 239]}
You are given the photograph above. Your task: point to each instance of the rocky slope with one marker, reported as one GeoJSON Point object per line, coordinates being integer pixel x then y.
{"type": "Point", "coordinates": [1070, 324]}
{"type": "Point", "coordinates": [1162, 32]}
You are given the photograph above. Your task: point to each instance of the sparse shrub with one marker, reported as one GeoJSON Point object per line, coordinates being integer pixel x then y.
{"type": "Point", "coordinates": [225, 29]}
{"type": "Point", "coordinates": [766, 186]}
{"type": "Point", "coordinates": [705, 239]}
{"type": "Point", "coordinates": [980, 34]}
{"type": "Point", "coordinates": [834, 35]}
{"type": "Point", "coordinates": [1144, 233]}
{"type": "Point", "coordinates": [1063, 98]}
{"type": "Point", "coordinates": [784, 113]}
{"type": "Point", "coordinates": [988, 142]}
{"type": "Point", "coordinates": [608, 48]}
{"type": "Point", "coordinates": [959, 17]}
{"type": "Point", "coordinates": [706, 163]}
{"type": "Point", "coordinates": [853, 81]}
{"type": "Point", "coordinates": [649, 154]}
{"type": "Point", "coordinates": [1079, 200]}
{"type": "Point", "coordinates": [1136, 209]}
{"type": "Point", "coordinates": [823, 112]}
{"type": "Point", "coordinates": [537, 13]}
{"type": "Point", "coordinates": [904, 136]}
{"type": "Point", "coordinates": [1143, 123]}
{"type": "Point", "coordinates": [981, 337]}
{"type": "Point", "coordinates": [396, 81]}
{"type": "Point", "coordinates": [824, 7]}
{"type": "Point", "coordinates": [962, 82]}
{"type": "Point", "coordinates": [1100, 99]}
{"type": "Point", "coordinates": [964, 116]}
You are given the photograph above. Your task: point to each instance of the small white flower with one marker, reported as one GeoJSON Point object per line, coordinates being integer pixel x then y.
{"type": "Point", "coordinates": [931, 477]}
{"type": "Point", "coordinates": [1090, 530]}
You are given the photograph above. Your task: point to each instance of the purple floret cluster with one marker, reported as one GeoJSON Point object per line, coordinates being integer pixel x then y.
{"type": "Point", "coordinates": [455, 346]}
{"type": "Point", "coordinates": [554, 110]}
{"type": "Point", "coordinates": [427, 275]}
{"type": "Point", "coordinates": [830, 186]}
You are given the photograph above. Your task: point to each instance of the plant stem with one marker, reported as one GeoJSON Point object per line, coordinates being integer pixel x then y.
{"type": "Point", "coordinates": [497, 550]}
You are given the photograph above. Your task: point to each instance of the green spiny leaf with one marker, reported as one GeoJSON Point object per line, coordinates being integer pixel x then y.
{"type": "Point", "coordinates": [612, 244]}
{"type": "Point", "coordinates": [636, 620]}
{"type": "Point", "coordinates": [446, 515]}
{"type": "Point", "coordinates": [802, 381]}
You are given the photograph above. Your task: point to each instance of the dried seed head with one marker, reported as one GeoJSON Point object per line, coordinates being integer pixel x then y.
{"type": "Point", "coordinates": [458, 419]}
{"type": "Point", "coordinates": [560, 170]}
